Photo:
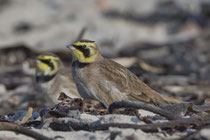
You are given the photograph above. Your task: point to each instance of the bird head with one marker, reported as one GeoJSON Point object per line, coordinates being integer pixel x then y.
{"type": "Point", "coordinates": [47, 65]}
{"type": "Point", "coordinates": [85, 51]}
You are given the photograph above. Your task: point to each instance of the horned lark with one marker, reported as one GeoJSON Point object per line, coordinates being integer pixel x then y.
{"type": "Point", "coordinates": [107, 81]}
{"type": "Point", "coordinates": [53, 78]}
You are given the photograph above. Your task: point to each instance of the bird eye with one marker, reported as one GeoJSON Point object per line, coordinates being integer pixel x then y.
{"type": "Point", "coordinates": [83, 46]}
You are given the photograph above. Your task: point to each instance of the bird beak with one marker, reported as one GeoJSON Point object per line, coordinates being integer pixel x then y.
{"type": "Point", "coordinates": [71, 47]}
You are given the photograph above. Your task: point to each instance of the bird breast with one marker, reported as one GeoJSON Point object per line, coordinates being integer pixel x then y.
{"type": "Point", "coordinates": [81, 87]}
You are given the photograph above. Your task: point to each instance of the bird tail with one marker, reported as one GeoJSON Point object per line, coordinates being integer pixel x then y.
{"type": "Point", "coordinates": [164, 100]}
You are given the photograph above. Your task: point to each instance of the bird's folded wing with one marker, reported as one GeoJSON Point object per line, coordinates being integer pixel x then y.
{"type": "Point", "coordinates": [125, 81]}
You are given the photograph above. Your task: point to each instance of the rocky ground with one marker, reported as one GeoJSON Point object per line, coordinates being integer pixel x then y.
{"type": "Point", "coordinates": [164, 42]}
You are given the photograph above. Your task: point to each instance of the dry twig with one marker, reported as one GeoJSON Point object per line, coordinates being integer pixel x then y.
{"type": "Point", "coordinates": [188, 122]}
{"type": "Point", "coordinates": [6, 126]}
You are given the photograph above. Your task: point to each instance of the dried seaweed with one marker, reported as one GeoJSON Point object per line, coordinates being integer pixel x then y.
{"type": "Point", "coordinates": [155, 127]}
{"type": "Point", "coordinates": [22, 130]}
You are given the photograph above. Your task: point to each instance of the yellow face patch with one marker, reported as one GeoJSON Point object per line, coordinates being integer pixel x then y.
{"type": "Point", "coordinates": [42, 67]}
{"type": "Point", "coordinates": [77, 54]}
{"type": "Point", "coordinates": [47, 64]}
{"type": "Point", "coordinates": [85, 52]}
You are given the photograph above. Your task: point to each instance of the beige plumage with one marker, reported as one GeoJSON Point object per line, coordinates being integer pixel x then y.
{"type": "Point", "coordinates": [53, 78]}
{"type": "Point", "coordinates": [107, 81]}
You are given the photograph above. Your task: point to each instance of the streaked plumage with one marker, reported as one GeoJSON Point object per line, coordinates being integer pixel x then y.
{"type": "Point", "coordinates": [107, 81]}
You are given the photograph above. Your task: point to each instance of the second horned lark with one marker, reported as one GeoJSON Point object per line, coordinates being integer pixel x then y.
{"type": "Point", "coordinates": [104, 80]}
{"type": "Point", "coordinates": [53, 78]}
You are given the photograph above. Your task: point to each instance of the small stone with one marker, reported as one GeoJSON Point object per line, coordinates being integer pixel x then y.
{"type": "Point", "coordinates": [3, 89]}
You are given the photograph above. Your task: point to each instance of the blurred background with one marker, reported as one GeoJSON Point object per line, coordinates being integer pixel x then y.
{"type": "Point", "coordinates": [164, 42]}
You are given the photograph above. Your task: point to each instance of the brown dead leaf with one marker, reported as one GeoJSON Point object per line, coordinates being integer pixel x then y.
{"type": "Point", "coordinates": [63, 96]}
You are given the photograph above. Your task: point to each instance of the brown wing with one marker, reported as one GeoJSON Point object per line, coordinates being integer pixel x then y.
{"type": "Point", "coordinates": [128, 83]}
{"type": "Point", "coordinates": [124, 80]}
